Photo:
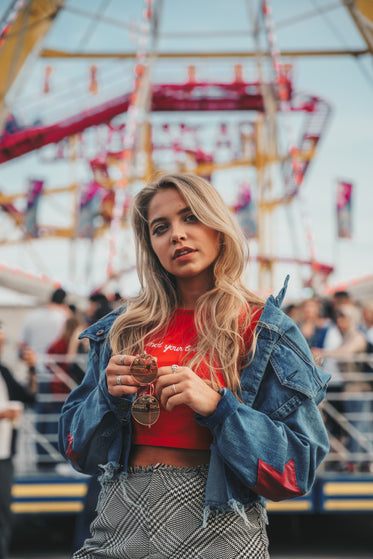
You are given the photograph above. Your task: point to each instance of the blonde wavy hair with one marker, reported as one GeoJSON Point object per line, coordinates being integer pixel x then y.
{"type": "Point", "coordinates": [222, 314]}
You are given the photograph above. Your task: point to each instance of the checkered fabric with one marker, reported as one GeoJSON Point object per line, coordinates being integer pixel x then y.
{"type": "Point", "coordinates": [157, 513]}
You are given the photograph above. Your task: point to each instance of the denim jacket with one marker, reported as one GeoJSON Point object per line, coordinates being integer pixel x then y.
{"type": "Point", "coordinates": [268, 445]}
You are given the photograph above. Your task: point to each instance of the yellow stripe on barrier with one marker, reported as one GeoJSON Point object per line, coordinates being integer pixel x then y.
{"type": "Point", "coordinates": [348, 504]}
{"type": "Point", "coordinates": [49, 490]}
{"type": "Point", "coordinates": [46, 506]}
{"type": "Point", "coordinates": [288, 506]}
{"type": "Point", "coordinates": [348, 488]}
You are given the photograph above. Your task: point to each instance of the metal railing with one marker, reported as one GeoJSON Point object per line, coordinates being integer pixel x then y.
{"type": "Point", "coordinates": [37, 445]}
{"type": "Point", "coordinates": [347, 411]}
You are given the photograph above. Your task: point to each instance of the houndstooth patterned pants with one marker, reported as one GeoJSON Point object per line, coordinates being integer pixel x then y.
{"type": "Point", "coordinates": [156, 513]}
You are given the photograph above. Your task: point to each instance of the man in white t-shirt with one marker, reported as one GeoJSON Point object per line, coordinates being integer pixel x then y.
{"type": "Point", "coordinates": [40, 329]}
{"type": "Point", "coordinates": [42, 326]}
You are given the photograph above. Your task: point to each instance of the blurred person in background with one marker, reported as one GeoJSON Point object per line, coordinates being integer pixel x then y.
{"type": "Point", "coordinates": [367, 311]}
{"type": "Point", "coordinates": [40, 329]}
{"type": "Point", "coordinates": [98, 307]}
{"type": "Point", "coordinates": [61, 382]}
{"type": "Point", "coordinates": [340, 298]}
{"type": "Point", "coordinates": [43, 325]}
{"type": "Point", "coordinates": [116, 301]}
{"type": "Point", "coordinates": [353, 343]}
{"type": "Point", "coordinates": [293, 311]}
{"type": "Point", "coordinates": [309, 320]}
{"type": "Point", "coordinates": [13, 395]}
{"type": "Point", "coordinates": [328, 337]}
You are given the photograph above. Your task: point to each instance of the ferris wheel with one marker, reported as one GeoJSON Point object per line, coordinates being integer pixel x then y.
{"type": "Point", "coordinates": [191, 121]}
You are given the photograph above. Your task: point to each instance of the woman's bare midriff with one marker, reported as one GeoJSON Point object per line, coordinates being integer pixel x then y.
{"type": "Point", "coordinates": [146, 455]}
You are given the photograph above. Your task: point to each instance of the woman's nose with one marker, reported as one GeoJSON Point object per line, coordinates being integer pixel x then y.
{"type": "Point", "coordinates": [177, 236]}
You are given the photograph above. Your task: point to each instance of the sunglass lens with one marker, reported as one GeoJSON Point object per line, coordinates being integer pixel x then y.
{"type": "Point", "coordinates": [144, 369]}
{"type": "Point", "coordinates": [145, 409]}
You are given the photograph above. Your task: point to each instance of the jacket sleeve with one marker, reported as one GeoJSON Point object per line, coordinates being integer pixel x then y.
{"type": "Point", "coordinates": [92, 422]}
{"type": "Point", "coordinates": [16, 390]}
{"type": "Point", "coordinates": [276, 449]}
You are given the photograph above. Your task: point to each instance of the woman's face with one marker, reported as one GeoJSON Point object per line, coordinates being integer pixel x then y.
{"type": "Point", "coordinates": [343, 323]}
{"type": "Point", "coordinates": [185, 247]}
{"type": "Point", "coordinates": [310, 310]}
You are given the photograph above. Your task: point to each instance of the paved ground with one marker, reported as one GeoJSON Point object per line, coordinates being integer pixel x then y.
{"type": "Point", "coordinates": [289, 555]}
{"type": "Point", "coordinates": [292, 537]}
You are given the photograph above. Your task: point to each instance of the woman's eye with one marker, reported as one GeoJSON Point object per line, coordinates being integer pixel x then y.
{"type": "Point", "coordinates": [159, 229]}
{"type": "Point", "coordinates": [191, 218]}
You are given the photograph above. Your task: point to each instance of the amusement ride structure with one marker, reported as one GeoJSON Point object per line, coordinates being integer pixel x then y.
{"type": "Point", "coordinates": [192, 122]}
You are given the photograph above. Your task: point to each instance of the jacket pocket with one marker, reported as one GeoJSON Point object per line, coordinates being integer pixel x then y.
{"type": "Point", "coordinates": [289, 380]}
{"type": "Point", "coordinates": [296, 371]}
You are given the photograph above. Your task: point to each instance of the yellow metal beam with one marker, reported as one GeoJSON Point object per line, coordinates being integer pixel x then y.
{"type": "Point", "coordinates": [53, 53]}
{"type": "Point", "coordinates": [9, 198]}
{"type": "Point", "coordinates": [343, 488]}
{"type": "Point", "coordinates": [31, 25]}
{"type": "Point", "coordinates": [361, 12]}
{"type": "Point", "coordinates": [289, 506]}
{"type": "Point", "coordinates": [27, 490]}
{"type": "Point", "coordinates": [348, 505]}
{"type": "Point", "coordinates": [365, 7]}
{"type": "Point", "coordinates": [44, 507]}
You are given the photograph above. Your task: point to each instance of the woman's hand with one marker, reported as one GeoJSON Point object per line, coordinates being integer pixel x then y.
{"type": "Point", "coordinates": [10, 413]}
{"type": "Point", "coordinates": [185, 387]}
{"type": "Point", "coordinates": [118, 377]}
{"type": "Point", "coordinates": [29, 356]}
{"type": "Point", "coordinates": [318, 355]}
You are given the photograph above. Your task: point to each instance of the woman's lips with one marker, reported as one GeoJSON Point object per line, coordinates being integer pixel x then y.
{"type": "Point", "coordinates": [183, 252]}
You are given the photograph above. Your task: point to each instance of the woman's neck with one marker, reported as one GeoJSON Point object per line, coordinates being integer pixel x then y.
{"type": "Point", "coordinates": [190, 291]}
{"type": "Point", "coordinates": [189, 301]}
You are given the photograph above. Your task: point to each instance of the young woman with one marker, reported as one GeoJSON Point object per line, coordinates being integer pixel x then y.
{"type": "Point", "coordinates": [199, 400]}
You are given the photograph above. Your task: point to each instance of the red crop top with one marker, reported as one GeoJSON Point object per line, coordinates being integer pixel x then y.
{"type": "Point", "coordinates": [178, 429]}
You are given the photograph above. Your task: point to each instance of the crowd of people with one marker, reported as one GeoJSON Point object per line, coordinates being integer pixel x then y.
{"type": "Point", "coordinates": [339, 331]}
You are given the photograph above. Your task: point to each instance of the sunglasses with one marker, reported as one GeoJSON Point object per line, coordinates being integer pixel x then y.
{"type": "Point", "coordinates": [146, 408]}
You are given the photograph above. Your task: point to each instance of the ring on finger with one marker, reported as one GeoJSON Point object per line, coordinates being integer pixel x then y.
{"type": "Point", "coordinates": [119, 379]}
{"type": "Point", "coordinates": [121, 360]}
{"type": "Point", "coordinates": [174, 368]}
{"type": "Point", "coordinates": [173, 386]}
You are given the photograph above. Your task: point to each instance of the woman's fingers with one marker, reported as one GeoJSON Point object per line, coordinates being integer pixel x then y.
{"type": "Point", "coordinates": [185, 387]}
{"type": "Point", "coordinates": [174, 385]}
{"type": "Point", "coordinates": [118, 376]}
